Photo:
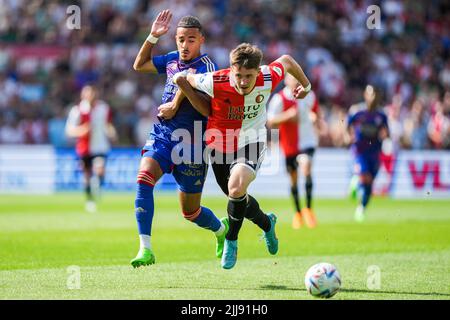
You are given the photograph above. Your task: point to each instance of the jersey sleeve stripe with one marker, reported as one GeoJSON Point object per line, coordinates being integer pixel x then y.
{"type": "Point", "coordinates": [208, 63]}
{"type": "Point", "coordinates": [213, 66]}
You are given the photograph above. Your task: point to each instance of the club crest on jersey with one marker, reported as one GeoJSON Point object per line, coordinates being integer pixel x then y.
{"type": "Point", "coordinates": [259, 98]}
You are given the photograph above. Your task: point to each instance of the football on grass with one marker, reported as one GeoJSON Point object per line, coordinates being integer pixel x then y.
{"type": "Point", "coordinates": [323, 280]}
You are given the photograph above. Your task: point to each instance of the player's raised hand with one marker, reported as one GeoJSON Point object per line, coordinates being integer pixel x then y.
{"type": "Point", "coordinates": [300, 92]}
{"type": "Point", "coordinates": [161, 24]}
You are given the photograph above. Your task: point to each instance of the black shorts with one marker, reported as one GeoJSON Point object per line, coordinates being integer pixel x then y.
{"type": "Point", "coordinates": [87, 161]}
{"type": "Point", "coordinates": [308, 151]}
{"type": "Point", "coordinates": [292, 162]}
{"type": "Point", "coordinates": [251, 156]}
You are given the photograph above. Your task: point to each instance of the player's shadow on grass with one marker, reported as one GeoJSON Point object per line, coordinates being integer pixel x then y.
{"type": "Point", "coordinates": [350, 290]}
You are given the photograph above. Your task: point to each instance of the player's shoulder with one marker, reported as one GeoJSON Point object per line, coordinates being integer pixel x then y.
{"type": "Point", "coordinates": [273, 67]}
{"type": "Point", "coordinates": [222, 75]}
{"type": "Point", "coordinates": [173, 56]}
{"type": "Point", "coordinates": [361, 114]}
{"type": "Point", "coordinates": [207, 62]}
{"type": "Point", "coordinates": [74, 110]}
{"type": "Point", "coordinates": [356, 116]}
{"type": "Point", "coordinates": [357, 107]}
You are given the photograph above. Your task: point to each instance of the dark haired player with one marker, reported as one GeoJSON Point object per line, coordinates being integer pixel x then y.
{"type": "Point", "coordinates": [367, 129]}
{"type": "Point", "coordinates": [175, 113]}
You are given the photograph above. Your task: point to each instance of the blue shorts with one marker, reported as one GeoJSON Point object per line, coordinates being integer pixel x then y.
{"type": "Point", "coordinates": [190, 173]}
{"type": "Point", "coordinates": [367, 164]}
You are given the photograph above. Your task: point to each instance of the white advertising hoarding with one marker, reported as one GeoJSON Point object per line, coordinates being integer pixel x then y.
{"type": "Point", "coordinates": [43, 169]}
{"type": "Point", "coordinates": [27, 169]}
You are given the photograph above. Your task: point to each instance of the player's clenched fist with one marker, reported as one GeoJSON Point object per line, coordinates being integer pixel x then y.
{"type": "Point", "coordinates": [167, 110]}
{"type": "Point", "coordinates": [300, 92]}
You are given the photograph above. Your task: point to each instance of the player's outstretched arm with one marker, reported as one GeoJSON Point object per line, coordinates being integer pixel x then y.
{"type": "Point", "coordinates": [291, 66]}
{"type": "Point", "coordinates": [143, 61]}
{"type": "Point", "coordinates": [199, 101]}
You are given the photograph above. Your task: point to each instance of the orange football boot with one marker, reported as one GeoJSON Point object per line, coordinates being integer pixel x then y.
{"type": "Point", "coordinates": [310, 217]}
{"type": "Point", "coordinates": [297, 221]}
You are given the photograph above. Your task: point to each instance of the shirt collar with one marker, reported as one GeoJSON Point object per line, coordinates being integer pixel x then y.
{"type": "Point", "coordinates": [191, 62]}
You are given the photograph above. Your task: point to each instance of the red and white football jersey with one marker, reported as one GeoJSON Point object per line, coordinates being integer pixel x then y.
{"type": "Point", "coordinates": [98, 116]}
{"type": "Point", "coordinates": [237, 120]}
{"type": "Point", "coordinates": [301, 135]}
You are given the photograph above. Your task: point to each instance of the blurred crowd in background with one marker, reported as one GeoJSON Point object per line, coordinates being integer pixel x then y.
{"type": "Point", "coordinates": [44, 64]}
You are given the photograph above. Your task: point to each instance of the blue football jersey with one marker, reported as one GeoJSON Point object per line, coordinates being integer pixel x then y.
{"type": "Point", "coordinates": [170, 64]}
{"type": "Point", "coordinates": [367, 126]}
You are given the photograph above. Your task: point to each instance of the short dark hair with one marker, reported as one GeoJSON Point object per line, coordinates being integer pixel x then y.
{"type": "Point", "coordinates": [190, 22]}
{"type": "Point", "coordinates": [247, 56]}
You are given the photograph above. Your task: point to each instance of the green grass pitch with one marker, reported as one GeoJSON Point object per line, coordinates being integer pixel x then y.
{"type": "Point", "coordinates": [41, 236]}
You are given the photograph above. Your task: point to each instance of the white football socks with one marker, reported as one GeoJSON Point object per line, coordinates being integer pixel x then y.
{"type": "Point", "coordinates": [220, 230]}
{"type": "Point", "coordinates": [145, 241]}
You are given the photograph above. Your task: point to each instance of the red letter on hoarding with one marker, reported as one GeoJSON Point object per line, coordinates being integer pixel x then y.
{"type": "Point", "coordinates": [419, 176]}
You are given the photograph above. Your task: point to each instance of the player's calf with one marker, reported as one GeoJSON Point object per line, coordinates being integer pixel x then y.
{"type": "Point", "coordinates": [256, 215]}
{"type": "Point", "coordinates": [236, 209]}
{"type": "Point", "coordinates": [206, 219]}
{"type": "Point", "coordinates": [144, 210]}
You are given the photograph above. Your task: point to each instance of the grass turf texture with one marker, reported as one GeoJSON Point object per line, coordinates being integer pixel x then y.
{"type": "Point", "coordinates": [40, 236]}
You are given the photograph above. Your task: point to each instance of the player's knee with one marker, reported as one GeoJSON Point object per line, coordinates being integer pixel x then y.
{"type": "Point", "coordinates": [100, 171]}
{"type": "Point", "coordinates": [150, 166]}
{"type": "Point", "coordinates": [236, 191]}
{"type": "Point", "coordinates": [146, 178]}
{"type": "Point", "coordinates": [146, 164]}
{"type": "Point", "coordinates": [239, 181]}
